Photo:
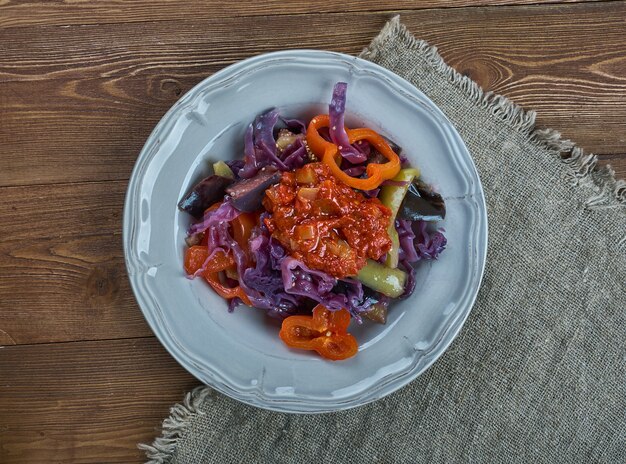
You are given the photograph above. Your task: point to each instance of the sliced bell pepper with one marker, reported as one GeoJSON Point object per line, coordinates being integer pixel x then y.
{"type": "Point", "coordinates": [226, 292]}
{"type": "Point", "coordinates": [222, 262]}
{"type": "Point", "coordinates": [336, 347]}
{"type": "Point", "coordinates": [242, 227]}
{"type": "Point", "coordinates": [325, 332]}
{"type": "Point", "coordinates": [196, 256]}
{"type": "Point", "coordinates": [330, 155]}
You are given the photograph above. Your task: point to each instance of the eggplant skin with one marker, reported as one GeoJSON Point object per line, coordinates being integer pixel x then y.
{"type": "Point", "coordinates": [247, 195]}
{"type": "Point", "coordinates": [421, 203]}
{"type": "Point", "coordinates": [204, 194]}
{"type": "Point", "coordinates": [377, 313]}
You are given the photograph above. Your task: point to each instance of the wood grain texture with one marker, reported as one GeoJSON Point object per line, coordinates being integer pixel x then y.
{"type": "Point", "coordinates": [77, 103]}
{"type": "Point", "coordinates": [87, 402]}
{"type": "Point", "coordinates": [62, 289]}
{"type": "Point", "coordinates": [28, 12]}
{"type": "Point", "coordinates": [37, 212]}
{"type": "Point", "coordinates": [62, 273]}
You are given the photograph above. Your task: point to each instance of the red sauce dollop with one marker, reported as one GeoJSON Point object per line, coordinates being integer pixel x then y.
{"type": "Point", "coordinates": [324, 223]}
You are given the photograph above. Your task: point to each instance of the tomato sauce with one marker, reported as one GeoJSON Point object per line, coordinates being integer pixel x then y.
{"type": "Point", "coordinates": [324, 223]}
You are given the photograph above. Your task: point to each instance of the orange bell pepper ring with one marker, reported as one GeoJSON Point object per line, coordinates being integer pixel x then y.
{"type": "Point", "coordinates": [195, 257]}
{"type": "Point", "coordinates": [325, 332]}
{"type": "Point", "coordinates": [329, 153]}
{"type": "Point", "coordinates": [221, 262]}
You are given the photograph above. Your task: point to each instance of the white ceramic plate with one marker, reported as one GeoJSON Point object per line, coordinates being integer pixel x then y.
{"type": "Point", "coordinates": [240, 353]}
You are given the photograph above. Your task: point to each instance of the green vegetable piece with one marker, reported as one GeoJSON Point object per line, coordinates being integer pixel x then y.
{"type": "Point", "coordinates": [221, 169]}
{"type": "Point", "coordinates": [383, 279]}
{"type": "Point", "coordinates": [391, 196]}
{"type": "Point", "coordinates": [393, 255]}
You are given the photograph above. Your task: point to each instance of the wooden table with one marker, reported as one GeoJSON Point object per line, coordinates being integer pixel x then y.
{"type": "Point", "coordinates": [82, 378]}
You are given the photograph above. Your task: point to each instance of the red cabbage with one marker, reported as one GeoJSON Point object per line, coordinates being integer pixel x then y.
{"type": "Point", "coordinates": [395, 183]}
{"type": "Point", "coordinates": [359, 171]}
{"type": "Point", "coordinates": [295, 125]}
{"type": "Point", "coordinates": [416, 247]}
{"type": "Point", "coordinates": [218, 240]}
{"type": "Point", "coordinates": [336, 113]}
{"type": "Point", "coordinates": [356, 298]}
{"type": "Point", "coordinates": [264, 140]}
{"type": "Point", "coordinates": [266, 279]}
{"type": "Point", "coordinates": [364, 147]}
{"type": "Point", "coordinates": [295, 155]}
{"type": "Point", "coordinates": [250, 167]}
{"type": "Point", "coordinates": [263, 283]}
{"type": "Point", "coordinates": [260, 145]}
{"type": "Point", "coordinates": [333, 293]}
{"type": "Point", "coordinates": [283, 284]}
{"type": "Point", "coordinates": [428, 245]}
{"type": "Point", "coordinates": [225, 213]}
{"type": "Point", "coordinates": [371, 193]}
{"type": "Point", "coordinates": [355, 171]}
{"type": "Point", "coordinates": [416, 243]}
{"type": "Point", "coordinates": [233, 303]}
{"type": "Point", "coordinates": [298, 279]}
{"type": "Point", "coordinates": [236, 166]}
{"type": "Point", "coordinates": [409, 286]}
{"type": "Point", "coordinates": [216, 226]}
{"type": "Point", "coordinates": [407, 237]}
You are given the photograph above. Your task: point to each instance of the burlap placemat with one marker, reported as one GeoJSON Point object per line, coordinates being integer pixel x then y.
{"type": "Point", "coordinates": [538, 372]}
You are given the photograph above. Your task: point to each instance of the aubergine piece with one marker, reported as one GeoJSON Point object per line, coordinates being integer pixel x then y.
{"type": "Point", "coordinates": [247, 194]}
{"type": "Point", "coordinates": [377, 157]}
{"type": "Point", "coordinates": [421, 203]}
{"type": "Point", "coordinates": [204, 194]}
{"type": "Point", "coordinates": [376, 313]}
{"type": "Point", "coordinates": [394, 146]}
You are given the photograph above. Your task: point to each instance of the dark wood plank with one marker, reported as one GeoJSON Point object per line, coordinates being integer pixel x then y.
{"type": "Point", "coordinates": [61, 211]}
{"type": "Point", "coordinates": [69, 288]}
{"type": "Point", "coordinates": [78, 102]}
{"type": "Point", "coordinates": [617, 162]}
{"type": "Point", "coordinates": [62, 273]}
{"type": "Point", "coordinates": [87, 402]}
{"type": "Point", "coordinates": [29, 12]}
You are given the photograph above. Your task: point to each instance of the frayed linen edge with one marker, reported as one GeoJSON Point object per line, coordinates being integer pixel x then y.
{"type": "Point", "coordinates": [582, 169]}
{"type": "Point", "coordinates": [162, 449]}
